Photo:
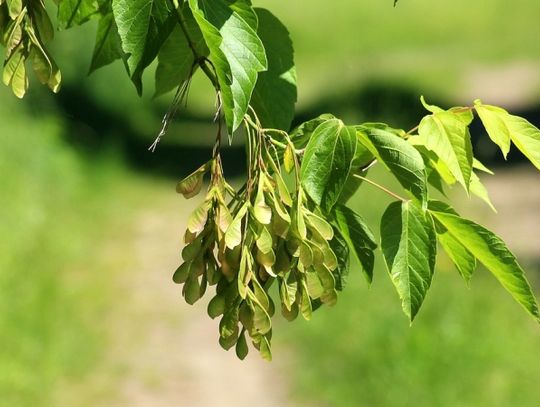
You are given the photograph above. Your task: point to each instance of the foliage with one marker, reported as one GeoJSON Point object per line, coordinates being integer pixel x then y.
{"type": "Point", "coordinates": [52, 295]}
{"type": "Point", "coordinates": [288, 226]}
{"type": "Point", "coordinates": [468, 347]}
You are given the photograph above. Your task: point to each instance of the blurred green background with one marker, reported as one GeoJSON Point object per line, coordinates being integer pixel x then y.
{"type": "Point", "coordinates": [90, 227]}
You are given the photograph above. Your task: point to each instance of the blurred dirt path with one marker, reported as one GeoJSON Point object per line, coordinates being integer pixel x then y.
{"type": "Point", "coordinates": [165, 352]}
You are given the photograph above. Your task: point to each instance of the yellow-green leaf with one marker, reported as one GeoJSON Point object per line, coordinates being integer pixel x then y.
{"type": "Point", "coordinates": [447, 134]}
{"type": "Point", "coordinates": [491, 251]}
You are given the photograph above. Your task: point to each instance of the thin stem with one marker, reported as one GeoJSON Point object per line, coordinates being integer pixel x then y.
{"type": "Point", "coordinates": [384, 189]}
{"type": "Point", "coordinates": [368, 165]}
{"type": "Point", "coordinates": [250, 168]}
{"type": "Point", "coordinates": [276, 143]}
{"type": "Point", "coordinates": [296, 164]}
{"type": "Point", "coordinates": [217, 145]}
{"type": "Point", "coordinates": [463, 109]}
{"type": "Point", "coordinates": [179, 97]}
{"type": "Point", "coordinates": [283, 133]}
{"type": "Point", "coordinates": [411, 131]}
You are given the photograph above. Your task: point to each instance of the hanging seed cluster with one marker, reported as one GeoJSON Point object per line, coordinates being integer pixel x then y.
{"type": "Point", "coordinates": [246, 242]}
{"type": "Point", "coordinates": [25, 27]}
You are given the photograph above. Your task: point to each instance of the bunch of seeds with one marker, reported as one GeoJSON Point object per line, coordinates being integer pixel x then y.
{"type": "Point", "coordinates": [245, 242]}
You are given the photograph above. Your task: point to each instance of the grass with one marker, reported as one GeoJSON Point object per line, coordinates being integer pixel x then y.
{"type": "Point", "coordinates": [55, 207]}
{"type": "Point", "coordinates": [467, 347]}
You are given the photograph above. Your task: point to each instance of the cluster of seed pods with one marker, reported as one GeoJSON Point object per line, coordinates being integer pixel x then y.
{"type": "Point", "coordinates": [266, 235]}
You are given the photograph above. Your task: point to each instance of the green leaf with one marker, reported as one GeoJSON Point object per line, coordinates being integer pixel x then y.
{"type": "Point", "coordinates": [402, 159]}
{"type": "Point", "coordinates": [358, 237]}
{"type": "Point", "coordinates": [409, 246]}
{"type": "Point", "coordinates": [430, 108]}
{"type": "Point", "coordinates": [362, 159]}
{"type": "Point", "coordinates": [245, 10]}
{"type": "Point", "coordinates": [143, 26]}
{"type": "Point", "coordinates": [301, 134]}
{"type": "Point", "coordinates": [175, 62]}
{"type": "Point", "coordinates": [275, 93]}
{"type": "Point", "coordinates": [446, 133]}
{"type": "Point", "coordinates": [439, 172]}
{"type": "Point", "coordinates": [478, 189]}
{"type": "Point", "coordinates": [176, 59]}
{"type": "Point", "coordinates": [526, 137]}
{"type": "Point", "coordinates": [76, 12]}
{"type": "Point", "coordinates": [503, 127]}
{"type": "Point", "coordinates": [381, 126]}
{"type": "Point", "coordinates": [492, 119]}
{"type": "Point", "coordinates": [491, 251]}
{"type": "Point", "coordinates": [327, 162]}
{"type": "Point", "coordinates": [236, 52]}
{"type": "Point", "coordinates": [481, 167]}
{"type": "Point", "coordinates": [108, 47]}
{"type": "Point", "coordinates": [462, 258]}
